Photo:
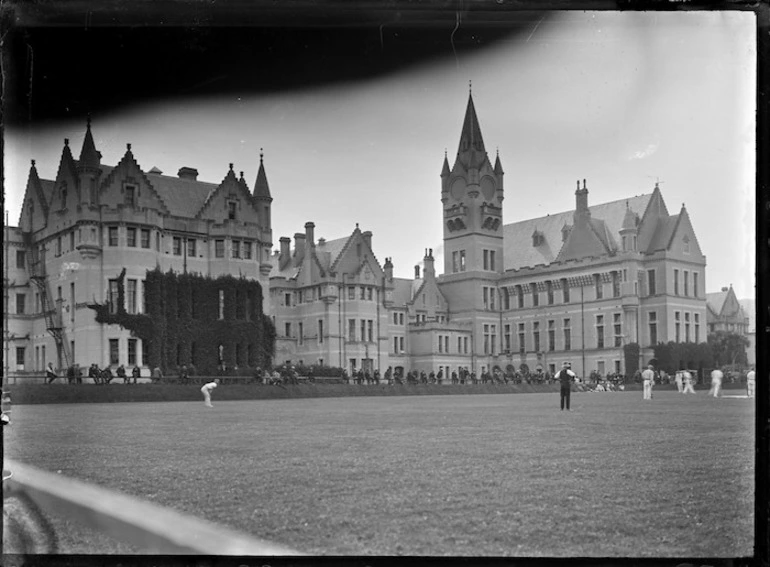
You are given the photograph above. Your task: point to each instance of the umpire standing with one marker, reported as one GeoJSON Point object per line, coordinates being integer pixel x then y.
{"type": "Point", "coordinates": [565, 377]}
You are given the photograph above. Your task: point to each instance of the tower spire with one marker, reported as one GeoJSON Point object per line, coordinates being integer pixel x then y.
{"type": "Point", "coordinates": [471, 151]}
{"type": "Point", "coordinates": [89, 156]}
{"type": "Point", "coordinates": [261, 188]}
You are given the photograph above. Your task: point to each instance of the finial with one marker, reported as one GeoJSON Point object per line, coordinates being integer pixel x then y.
{"type": "Point", "coordinates": [584, 183]}
{"type": "Point", "coordinates": [470, 87]}
{"type": "Point", "coordinates": [33, 163]}
{"type": "Point", "coordinates": [261, 154]}
{"type": "Point", "coordinates": [445, 154]}
{"type": "Point", "coordinates": [626, 203]}
{"type": "Point", "coordinates": [656, 184]}
{"type": "Point", "coordinates": [497, 151]}
{"type": "Point", "coordinates": [578, 184]}
{"type": "Point", "coordinates": [66, 141]}
{"type": "Point", "coordinates": [241, 175]}
{"type": "Point", "coordinates": [356, 225]}
{"type": "Point", "coordinates": [88, 120]}
{"type": "Point", "coordinates": [231, 167]}
{"type": "Point", "coordinates": [128, 147]}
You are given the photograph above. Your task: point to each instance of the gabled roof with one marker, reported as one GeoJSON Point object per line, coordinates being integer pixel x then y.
{"type": "Point", "coordinates": [403, 291]}
{"type": "Point", "coordinates": [329, 250]}
{"type": "Point", "coordinates": [716, 301]}
{"type": "Point", "coordinates": [471, 152]}
{"type": "Point", "coordinates": [665, 230]}
{"type": "Point", "coordinates": [520, 253]}
{"type": "Point", "coordinates": [183, 197]}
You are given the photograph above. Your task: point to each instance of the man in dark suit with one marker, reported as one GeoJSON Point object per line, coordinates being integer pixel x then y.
{"type": "Point", "coordinates": [566, 377]}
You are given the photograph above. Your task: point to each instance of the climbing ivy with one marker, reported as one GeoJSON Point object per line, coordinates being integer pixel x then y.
{"type": "Point", "coordinates": [197, 321]}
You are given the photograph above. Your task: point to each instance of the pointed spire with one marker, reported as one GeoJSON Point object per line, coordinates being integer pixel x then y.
{"type": "Point", "coordinates": [261, 188]}
{"type": "Point", "coordinates": [89, 156]}
{"type": "Point", "coordinates": [498, 165]}
{"type": "Point", "coordinates": [471, 152]}
{"type": "Point", "coordinates": [445, 171]}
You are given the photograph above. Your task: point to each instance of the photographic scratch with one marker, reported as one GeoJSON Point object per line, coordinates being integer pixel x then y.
{"type": "Point", "coordinates": [535, 28]}
{"type": "Point", "coordinates": [452, 37]}
{"type": "Point", "coordinates": [382, 42]}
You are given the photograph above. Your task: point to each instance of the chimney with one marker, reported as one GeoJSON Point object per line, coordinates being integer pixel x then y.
{"type": "Point", "coordinates": [417, 272]}
{"type": "Point", "coordinates": [388, 267]}
{"type": "Point", "coordinates": [299, 245]}
{"type": "Point", "coordinates": [309, 236]}
{"type": "Point", "coordinates": [285, 252]}
{"type": "Point", "coordinates": [724, 289]}
{"type": "Point", "coordinates": [367, 238]}
{"type": "Point", "coordinates": [430, 270]}
{"type": "Point", "coordinates": [581, 198]}
{"type": "Point", "coordinates": [188, 173]}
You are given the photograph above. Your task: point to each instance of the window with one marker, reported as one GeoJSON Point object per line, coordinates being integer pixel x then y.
{"type": "Point", "coordinates": [551, 335]}
{"type": "Point", "coordinates": [696, 321]}
{"type": "Point", "coordinates": [145, 237]}
{"type": "Point", "coordinates": [676, 282]}
{"type": "Point", "coordinates": [246, 247]}
{"type": "Point", "coordinates": [522, 338]}
{"type": "Point", "coordinates": [486, 339]}
{"type": "Point", "coordinates": [486, 259]}
{"type": "Point", "coordinates": [157, 241]}
{"type": "Point", "coordinates": [567, 335]}
{"type": "Point", "coordinates": [485, 296]}
{"type": "Point", "coordinates": [686, 244]}
{"type": "Point", "coordinates": [615, 284]}
{"type": "Point", "coordinates": [232, 207]}
{"type": "Point", "coordinates": [130, 196]}
{"type": "Point", "coordinates": [287, 330]}
{"type": "Point", "coordinates": [686, 283]}
{"type": "Point", "coordinates": [506, 338]}
{"type": "Point", "coordinates": [395, 345]}
{"type": "Point", "coordinates": [72, 302]}
{"type": "Point", "coordinates": [598, 285]}
{"type": "Point", "coordinates": [131, 296]}
{"type": "Point", "coordinates": [351, 329]}
{"type": "Point", "coordinates": [369, 293]}
{"type": "Point", "coordinates": [600, 331]}
{"type": "Point", "coordinates": [363, 330]}
{"type": "Point", "coordinates": [351, 293]}
{"type": "Point", "coordinates": [549, 292]}
{"type": "Point", "coordinates": [20, 303]}
{"type": "Point", "coordinates": [287, 299]}
{"type": "Point", "coordinates": [114, 352]}
{"type": "Point", "coordinates": [192, 245]}
{"type": "Point", "coordinates": [455, 262]}
{"type": "Point", "coordinates": [63, 194]}
{"type": "Point", "coordinates": [440, 344]}
{"type": "Point", "coordinates": [219, 248]}
{"type": "Point", "coordinates": [677, 326]}
{"type": "Point", "coordinates": [72, 240]}
{"type": "Point", "coordinates": [520, 296]}
{"type": "Point", "coordinates": [535, 295]}
{"type": "Point", "coordinates": [618, 328]}
{"type": "Point", "coordinates": [236, 249]}
{"type": "Point", "coordinates": [20, 259]}
{"type": "Point", "coordinates": [300, 332]}
{"type": "Point", "coordinates": [20, 352]}
{"type": "Point", "coordinates": [177, 246]}
{"type": "Point", "coordinates": [652, 321]}
{"type": "Point", "coordinates": [370, 331]}
{"type": "Point", "coordinates": [113, 296]}
{"type": "Point", "coordinates": [506, 298]}
{"type": "Point", "coordinates": [493, 338]}
{"type": "Point", "coordinates": [320, 331]}
{"type": "Point", "coordinates": [465, 345]}
{"type": "Point", "coordinates": [401, 318]}
{"type": "Point", "coordinates": [651, 289]}
{"type": "Point", "coordinates": [489, 260]}
{"type": "Point", "coordinates": [565, 290]}
{"type": "Point", "coordinates": [395, 318]}
{"type": "Point", "coordinates": [536, 335]}
{"type": "Point", "coordinates": [57, 249]}
{"type": "Point", "coordinates": [462, 260]}
{"type": "Point", "coordinates": [695, 284]}
{"type": "Point", "coordinates": [362, 291]}
{"type": "Point", "coordinates": [687, 327]}
{"type": "Point", "coordinates": [132, 360]}
{"type": "Point", "coordinates": [112, 236]}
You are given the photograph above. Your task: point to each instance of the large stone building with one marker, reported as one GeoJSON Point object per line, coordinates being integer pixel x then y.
{"type": "Point", "coordinates": [78, 231]}
{"type": "Point", "coordinates": [572, 286]}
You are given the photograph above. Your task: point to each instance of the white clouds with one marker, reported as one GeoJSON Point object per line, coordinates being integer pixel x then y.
{"type": "Point", "coordinates": [646, 152]}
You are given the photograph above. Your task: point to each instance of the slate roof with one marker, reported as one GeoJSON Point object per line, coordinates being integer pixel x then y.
{"type": "Point", "coordinates": [716, 301]}
{"type": "Point", "coordinates": [402, 291]}
{"type": "Point", "coordinates": [329, 251]}
{"type": "Point", "coordinates": [517, 237]}
{"type": "Point", "coordinates": [663, 233]}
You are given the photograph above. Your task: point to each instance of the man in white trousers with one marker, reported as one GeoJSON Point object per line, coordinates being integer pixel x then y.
{"type": "Point", "coordinates": [678, 379]}
{"type": "Point", "coordinates": [206, 389]}
{"type": "Point", "coordinates": [648, 377]}
{"type": "Point", "coordinates": [751, 383]}
{"type": "Point", "coordinates": [716, 382]}
{"type": "Point", "coordinates": [688, 389]}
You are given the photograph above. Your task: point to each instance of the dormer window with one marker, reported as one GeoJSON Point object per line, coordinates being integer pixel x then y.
{"type": "Point", "coordinates": [565, 232]}
{"type": "Point", "coordinates": [538, 238]}
{"type": "Point", "coordinates": [686, 244]}
{"type": "Point", "coordinates": [63, 194]}
{"type": "Point", "coordinates": [232, 207]}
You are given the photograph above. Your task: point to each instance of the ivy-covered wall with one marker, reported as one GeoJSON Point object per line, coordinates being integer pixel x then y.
{"type": "Point", "coordinates": [198, 322]}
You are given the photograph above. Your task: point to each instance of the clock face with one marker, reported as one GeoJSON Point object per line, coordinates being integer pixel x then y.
{"type": "Point", "coordinates": [458, 189]}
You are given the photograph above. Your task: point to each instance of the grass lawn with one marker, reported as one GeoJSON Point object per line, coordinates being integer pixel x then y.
{"type": "Point", "coordinates": [490, 475]}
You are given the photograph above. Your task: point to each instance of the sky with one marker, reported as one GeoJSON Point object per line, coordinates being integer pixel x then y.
{"type": "Point", "coordinates": [621, 99]}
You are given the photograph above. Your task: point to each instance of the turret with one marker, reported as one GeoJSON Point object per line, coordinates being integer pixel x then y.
{"type": "Point", "coordinates": [88, 168]}
{"type": "Point", "coordinates": [262, 196]}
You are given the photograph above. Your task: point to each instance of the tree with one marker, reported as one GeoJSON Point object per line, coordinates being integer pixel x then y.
{"type": "Point", "coordinates": [728, 348]}
{"type": "Point", "coordinates": [631, 354]}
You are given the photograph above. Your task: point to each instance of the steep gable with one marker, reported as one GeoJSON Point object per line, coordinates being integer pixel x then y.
{"type": "Point", "coordinates": [128, 172]}
{"type": "Point", "coordinates": [683, 242]}
{"type": "Point", "coordinates": [353, 254]}
{"type": "Point", "coordinates": [34, 210]}
{"type": "Point", "coordinates": [654, 220]}
{"type": "Point", "coordinates": [229, 197]}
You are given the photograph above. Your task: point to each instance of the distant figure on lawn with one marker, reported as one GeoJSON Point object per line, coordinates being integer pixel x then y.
{"type": "Point", "coordinates": [157, 375]}
{"type": "Point", "coordinates": [121, 372]}
{"type": "Point", "coordinates": [688, 388]}
{"type": "Point", "coordinates": [751, 383]}
{"type": "Point", "coordinates": [716, 382]}
{"type": "Point", "coordinates": [50, 373]}
{"type": "Point", "coordinates": [566, 377]}
{"type": "Point", "coordinates": [206, 389]}
{"type": "Point", "coordinates": [135, 373]}
{"type": "Point", "coordinates": [678, 379]}
{"type": "Point", "coordinates": [648, 377]}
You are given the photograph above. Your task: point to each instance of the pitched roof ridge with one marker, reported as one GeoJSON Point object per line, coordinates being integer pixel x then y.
{"type": "Point", "coordinates": [344, 248]}
{"type": "Point", "coordinates": [128, 158]}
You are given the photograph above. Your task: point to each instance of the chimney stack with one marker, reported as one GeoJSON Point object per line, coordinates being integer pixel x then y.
{"type": "Point", "coordinates": [285, 252]}
{"type": "Point", "coordinates": [417, 272]}
{"type": "Point", "coordinates": [299, 245]}
{"type": "Point", "coordinates": [188, 173]}
{"type": "Point", "coordinates": [309, 236]}
{"type": "Point", "coordinates": [367, 238]}
{"type": "Point", "coordinates": [581, 198]}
